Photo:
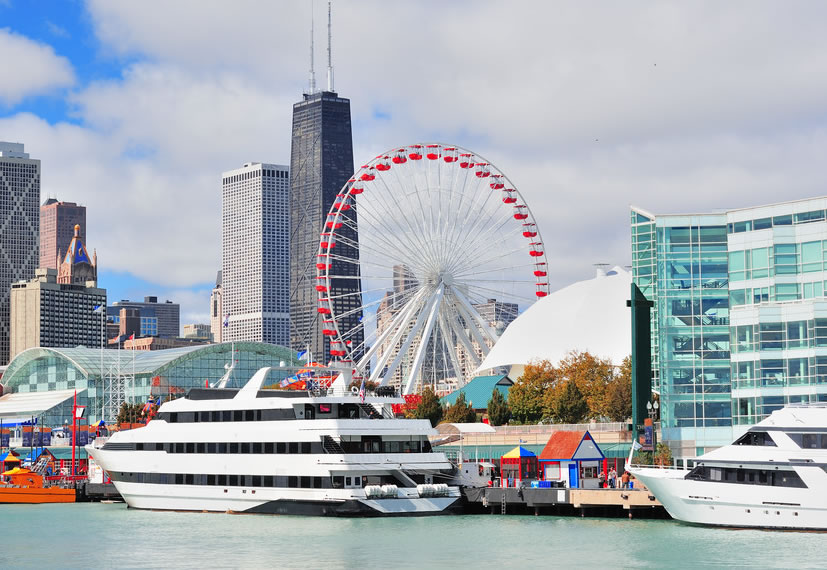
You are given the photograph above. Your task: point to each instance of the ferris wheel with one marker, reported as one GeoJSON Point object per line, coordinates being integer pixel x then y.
{"type": "Point", "coordinates": [427, 251]}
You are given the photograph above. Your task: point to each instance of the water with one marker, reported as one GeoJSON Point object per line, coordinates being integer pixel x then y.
{"type": "Point", "coordinates": [112, 536]}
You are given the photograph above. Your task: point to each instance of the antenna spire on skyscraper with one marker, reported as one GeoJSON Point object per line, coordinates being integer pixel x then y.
{"type": "Point", "coordinates": [329, 51]}
{"type": "Point", "coordinates": [312, 67]}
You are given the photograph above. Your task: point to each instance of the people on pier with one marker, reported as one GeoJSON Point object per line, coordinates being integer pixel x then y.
{"type": "Point", "coordinates": [613, 478]}
{"type": "Point", "coordinates": [625, 479]}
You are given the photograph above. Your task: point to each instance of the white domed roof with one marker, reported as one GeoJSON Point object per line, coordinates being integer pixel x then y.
{"type": "Point", "coordinates": [588, 316]}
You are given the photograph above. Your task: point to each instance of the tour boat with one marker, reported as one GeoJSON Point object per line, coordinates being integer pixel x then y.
{"type": "Point", "coordinates": [21, 485]}
{"type": "Point", "coordinates": [774, 476]}
{"type": "Point", "coordinates": [321, 452]}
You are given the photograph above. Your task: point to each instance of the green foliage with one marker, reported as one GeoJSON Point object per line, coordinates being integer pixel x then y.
{"type": "Point", "coordinates": [429, 408]}
{"type": "Point", "coordinates": [369, 386]}
{"type": "Point", "coordinates": [662, 456]}
{"type": "Point", "coordinates": [571, 407]}
{"type": "Point", "coordinates": [460, 412]}
{"type": "Point", "coordinates": [618, 403]}
{"type": "Point", "coordinates": [499, 411]}
{"type": "Point", "coordinates": [526, 397]}
{"type": "Point", "coordinates": [130, 413]}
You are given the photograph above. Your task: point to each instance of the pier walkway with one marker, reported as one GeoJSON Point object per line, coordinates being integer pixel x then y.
{"type": "Point", "coordinates": [600, 502]}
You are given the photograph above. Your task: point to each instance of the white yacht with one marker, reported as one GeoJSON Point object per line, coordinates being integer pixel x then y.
{"type": "Point", "coordinates": [774, 476]}
{"type": "Point", "coordinates": [281, 452]}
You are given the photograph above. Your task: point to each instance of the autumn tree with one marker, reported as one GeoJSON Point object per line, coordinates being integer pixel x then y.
{"type": "Point", "coordinates": [592, 376]}
{"type": "Point", "coordinates": [460, 412]}
{"type": "Point", "coordinates": [618, 402]}
{"type": "Point", "coordinates": [526, 397]}
{"type": "Point", "coordinates": [572, 406]}
{"type": "Point", "coordinates": [499, 411]}
{"type": "Point", "coordinates": [429, 407]}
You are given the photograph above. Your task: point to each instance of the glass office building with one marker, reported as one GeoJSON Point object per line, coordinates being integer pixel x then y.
{"type": "Point", "coordinates": [740, 325]}
{"type": "Point", "coordinates": [164, 373]}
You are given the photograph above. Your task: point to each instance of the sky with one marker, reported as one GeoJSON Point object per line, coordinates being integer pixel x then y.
{"type": "Point", "coordinates": [136, 108]}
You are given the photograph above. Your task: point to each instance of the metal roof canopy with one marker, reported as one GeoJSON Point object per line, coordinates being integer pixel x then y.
{"type": "Point", "coordinates": [449, 428]}
{"type": "Point", "coordinates": [21, 404]}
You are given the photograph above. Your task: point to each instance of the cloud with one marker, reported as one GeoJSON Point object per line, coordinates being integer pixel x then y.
{"type": "Point", "coordinates": [30, 68]}
{"type": "Point", "coordinates": [588, 108]}
{"type": "Point", "coordinates": [57, 31]}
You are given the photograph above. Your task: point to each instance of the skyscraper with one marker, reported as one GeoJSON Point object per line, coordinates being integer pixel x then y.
{"type": "Point", "coordinates": [255, 265]}
{"type": "Point", "coordinates": [57, 307]}
{"type": "Point", "coordinates": [57, 229]}
{"type": "Point", "coordinates": [20, 223]}
{"type": "Point", "coordinates": [321, 162]}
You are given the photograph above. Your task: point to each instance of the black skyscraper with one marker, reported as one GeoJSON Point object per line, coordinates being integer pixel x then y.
{"type": "Point", "coordinates": [321, 162]}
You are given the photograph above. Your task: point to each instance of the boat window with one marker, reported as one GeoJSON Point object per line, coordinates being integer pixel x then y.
{"type": "Point", "coordinates": [250, 415]}
{"type": "Point", "coordinates": [305, 447]}
{"type": "Point", "coordinates": [347, 482]}
{"type": "Point", "coordinates": [201, 448]}
{"type": "Point", "coordinates": [743, 476]}
{"type": "Point", "coordinates": [293, 447]}
{"type": "Point", "coordinates": [233, 480]}
{"type": "Point", "coordinates": [245, 448]}
{"type": "Point", "coordinates": [238, 415]}
{"type": "Point", "coordinates": [809, 440]}
{"type": "Point", "coordinates": [305, 482]}
{"type": "Point", "coordinates": [325, 408]}
{"type": "Point", "coordinates": [292, 481]}
{"type": "Point", "coordinates": [226, 416]}
{"type": "Point", "coordinates": [281, 447]}
{"type": "Point", "coordinates": [173, 417]}
{"type": "Point", "coordinates": [205, 416]}
{"type": "Point", "coordinates": [755, 438]}
{"type": "Point", "coordinates": [233, 447]}
{"type": "Point", "coordinates": [257, 447]}
{"type": "Point", "coordinates": [269, 447]}
{"type": "Point", "coordinates": [338, 481]}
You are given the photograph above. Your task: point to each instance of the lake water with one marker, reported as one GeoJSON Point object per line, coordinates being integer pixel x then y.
{"type": "Point", "coordinates": [91, 535]}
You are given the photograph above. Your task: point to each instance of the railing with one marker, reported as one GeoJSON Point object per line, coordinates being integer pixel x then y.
{"type": "Point", "coordinates": [548, 428]}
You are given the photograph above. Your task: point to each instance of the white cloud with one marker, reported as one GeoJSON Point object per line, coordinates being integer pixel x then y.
{"type": "Point", "coordinates": [30, 68]}
{"type": "Point", "coordinates": [588, 108]}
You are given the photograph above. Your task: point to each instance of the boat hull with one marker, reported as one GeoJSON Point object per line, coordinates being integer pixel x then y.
{"type": "Point", "coordinates": [273, 502]}
{"type": "Point", "coordinates": [34, 495]}
{"type": "Point", "coordinates": [731, 505]}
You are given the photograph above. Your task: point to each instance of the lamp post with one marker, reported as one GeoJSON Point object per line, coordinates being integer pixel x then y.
{"type": "Point", "coordinates": [652, 409]}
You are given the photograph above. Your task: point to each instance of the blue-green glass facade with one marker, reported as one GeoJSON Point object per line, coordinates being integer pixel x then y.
{"type": "Point", "coordinates": [151, 374]}
{"type": "Point", "coordinates": [741, 315]}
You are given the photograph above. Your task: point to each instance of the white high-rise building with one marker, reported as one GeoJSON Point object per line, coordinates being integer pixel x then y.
{"type": "Point", "coordinates": [20, 222]}
{"type": "Point", "coordinates": [255, 260]}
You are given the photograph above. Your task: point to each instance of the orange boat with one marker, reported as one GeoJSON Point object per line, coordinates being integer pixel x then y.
{"type": "Point", "coordinates": [21, 485]}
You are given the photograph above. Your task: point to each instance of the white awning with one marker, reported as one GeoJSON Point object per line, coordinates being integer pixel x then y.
{"type": "Point", "coordinates": [27, 404]}
{"type": "Point", "coordinates": [464, 428]}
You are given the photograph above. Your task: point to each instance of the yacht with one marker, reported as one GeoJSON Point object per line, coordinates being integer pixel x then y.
{"type": "Point", "coordinates": [326, 451]}
{"type": "Point", "coordinates": [774, 476]}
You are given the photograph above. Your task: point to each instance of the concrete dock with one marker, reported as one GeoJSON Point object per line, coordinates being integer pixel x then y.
{"type": "Point", "coordinates": [562, 501]}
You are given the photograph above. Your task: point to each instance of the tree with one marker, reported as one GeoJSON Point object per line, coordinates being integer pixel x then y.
{"type": "Point", "coordinates": [526, 397]}
{"type": "Point", "coordinates": [498, 410]}
{"type": "Point", "coordinates": [460, 412]}
{"type": "Point", "coordinates": [619, 393]}
{"type": "Point", "coordinates": [130, 413]}
{"type": "Point", "coordinates": [571, 407]}
{"type": "Point", "coordinates": [592, 375]}
{"type": "Point", "coordinates": [429, 407]}
{"type": "Point", "coordinates": [662, 456]}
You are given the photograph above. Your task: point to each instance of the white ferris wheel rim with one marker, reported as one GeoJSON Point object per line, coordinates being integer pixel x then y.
{"type": "Point", "coordinates": [422, 313]}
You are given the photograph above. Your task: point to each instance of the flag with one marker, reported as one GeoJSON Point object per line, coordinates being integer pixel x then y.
{"type": "Point", "coordinates": [362, 391]}
{"type": "Point", "coordinates": [301, 355]}
{"type": "Point", "coordinates": [132, 336]}
{"type": "Point", "coordinates": [227, 320]}
{"type": "Point", "coordinates": [636, 445]}
{"type": "Point", "coordinates": [99, 309]}
{"type": "Point", "coordinates": [147, 407]}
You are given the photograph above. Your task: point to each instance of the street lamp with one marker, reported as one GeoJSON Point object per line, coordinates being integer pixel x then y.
{"type": "Point", "coordinates": [652, 409]}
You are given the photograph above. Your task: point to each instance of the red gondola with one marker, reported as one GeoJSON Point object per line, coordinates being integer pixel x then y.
{"type": "Point", "coordinates": [433, 151]}
{"type": "Point", "coordinates": [536, 249]}
{"type": "Point", "coordinates": [541, 293]}
{"type": "Point", "coordinates": [449, 154]}
{"type": "Point", "coordinates": [324, 306]}
{"type": "Point", "coordinates": [466, 160]}
{"type": "Point", "coordinates": [496, 183]}
{"type": "Point", "coordinates": [415, 152]}
{"type": "Point", "coordinates": [357, 190]}
{"type": "Point", "coordinates": [328, 328]}
{"type": "Point", "coordinates": [332, 223]}
{"type": "Point", "coordinates": [328, 241]}
{"type": "Point", "coordinates": [529, 230]}
{"type": "Point", "coordinates": [520, 212]}
{"type": "Point", "coordinates": [400, 157]}
{"type": "Point", "coordinates": [323, 262]}
{"type": "Point", "coordinates": [542, 289]}
{"type": "Point", "coordinates": [321, 284]}
{"type": "Point", "coordinates": [482, 170]}
{"type": "Point", "coordinates": [383, 165]}
{"type": "Point", "coordinates": [336, 349]}
{"type": "Point", "coordinates": [341, 202]}
{"type": "Point", "coordinates": [367, 177]}
{"type": "Point", "coordinates": [509, 199]}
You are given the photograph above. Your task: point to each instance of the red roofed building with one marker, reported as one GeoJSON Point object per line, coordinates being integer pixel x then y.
{"type": "Point", "coordinates": [571, 458]}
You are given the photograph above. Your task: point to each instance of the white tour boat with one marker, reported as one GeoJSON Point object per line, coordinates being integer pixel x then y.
{"type": "Point", "coordinates": [329, 452]}
{"type": "Point", "coordinates": [774, 476]}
